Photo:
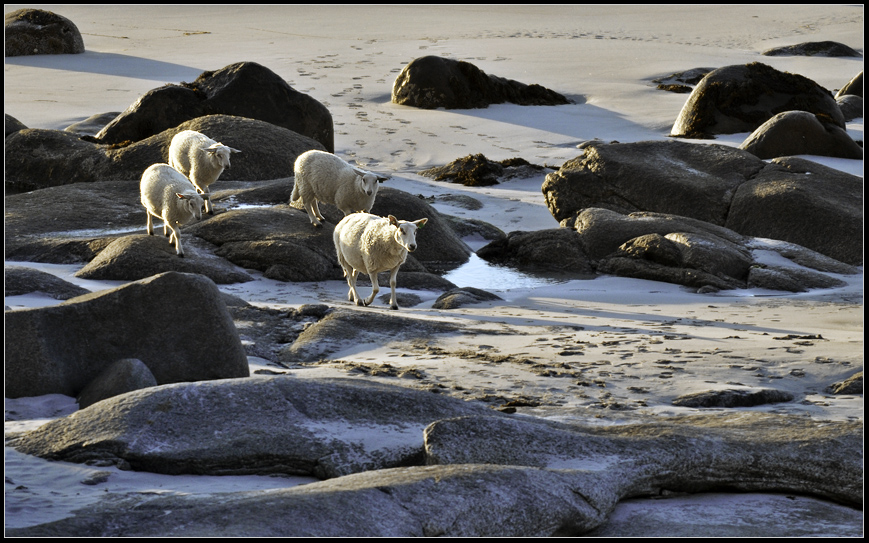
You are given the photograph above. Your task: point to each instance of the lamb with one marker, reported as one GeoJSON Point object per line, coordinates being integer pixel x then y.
{"type": "Point", "coordinates": [325, 177]}
{"type": "Point", "coordinates": [371, 244]}
{"type": "Point", "coordinates": [167, 194]}
{"type": "Point", "coordinates": [201, 159]}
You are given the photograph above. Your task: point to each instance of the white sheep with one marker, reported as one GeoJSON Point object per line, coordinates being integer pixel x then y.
{"type": "Point", "coordinates": [201, 159]}
{"type": "Point", "coordinates": [322, 176]}
{"type": "Point", "coordinates": [167, 194]}
{"type": "Point", "coordinates": [371, 244]}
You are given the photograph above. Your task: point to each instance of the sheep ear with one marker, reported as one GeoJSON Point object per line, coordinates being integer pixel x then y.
{"type": "Point", "coordinates": [393, 221]}
{"type": "Point", "coordinates": [233, 150]}
{"type": "Point", "coordinates": [420, 223]}
{"type": "Point", "coordinates": [180, 196]}
{"type": "Point", "coordinates": [382, 178]}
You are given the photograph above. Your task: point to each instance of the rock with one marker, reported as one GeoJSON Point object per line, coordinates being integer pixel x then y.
{"type": "Point", "coordinates": [778, 202]}
{"type": "Point", "coordinates": [741, 98]}
{"type": "Point", "coordinates": [40, 32]}
{"type": "Point", "coordinates": [800, 133]}
{"type": "Point", "coordinates": [180, 329]}
{"type": "Point", "coordinates": [93, 124]}
{"type": "Point", "coordinates": [344, 327]}
{"type": "Point", "coordinates": [665, 177]}
{"type": "Point", "coordinates": [479, 171]}
{"type": "Point", "coordinates": [19, 280]}
{"type": "Point", "coordinates": [122, 376]}
{"type": "Point", "coordinates": [456, 298]}
{"type": "Point", "coordinates": [138, 256]}
{"type": "Point", "coordinates": [262, 425]}
{"type": "Point", "coordinates": [243, 89]}
{"type": "Point", "coordinates": [851, 385]}
{"type": "Point", "coordinates": [554, 249]}
{"type": "Point", "coordinates": [789, 279]}
{"type": "Point", "coordinates": [688, 77]}
{"type": "Point", "coordinates": [853, 87]}
{"type": "Point", "coordinates": [37, 158]}
{"type": "Point", "coordinates": [851, 106]}
{"type": "Point", "coordinates": [733, 397]}
{"type": "Point", "coordinates": [745, 451]}
{"type": "Point", "coordinates": [12, 125]}
{"type": "Point", "coordinates": [431, 82]}
{"type": "Point", "coordinates": [813, 49]}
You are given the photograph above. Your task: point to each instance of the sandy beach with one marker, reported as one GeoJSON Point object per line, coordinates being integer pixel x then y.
{"type": "Point", "coordinates": [608, 349]}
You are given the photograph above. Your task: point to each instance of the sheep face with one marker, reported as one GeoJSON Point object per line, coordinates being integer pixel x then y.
{"type": "Point", "coordinates": [367, 183]}
{"type": "Point", "coordinates": [192, 203]}
{"type": "Point", "coordinates": [220, 154]}
{"type": "Point", "coordinates": [405, 232]}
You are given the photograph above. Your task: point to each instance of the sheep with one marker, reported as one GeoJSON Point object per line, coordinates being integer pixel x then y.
{"type": "Point", "coordinates": [167, 194]}
{"type": "Point", "coordinates": [325, 177]}
{"type": "Point", "coordinates": [371, 244]}
{"type": "Point", "coordinates": [201, 159]}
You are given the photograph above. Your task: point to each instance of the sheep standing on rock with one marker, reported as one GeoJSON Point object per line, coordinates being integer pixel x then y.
{"type": "Point", "coordinates": [371, 244]}
{"type": "Point", "coordinates": [201, 159]}
{"type": "Point", "coordinates": [167, 194]}
{"type": "Point", "coordinates": [322, 176]}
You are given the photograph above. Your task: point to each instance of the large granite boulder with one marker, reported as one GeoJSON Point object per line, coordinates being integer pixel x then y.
{"type": "Point", "coordinates": [813, 49]}
{"type": "Point", "coordinates": [431, 82]}
{"type": "Point", "coordinates": [39, 158]}
{"type": "Point", "coordinates": [18, 280]}
{"type": "Point", "coordinates": [741, 98]}
{"type": "Point", "coordinates": [243, 89]}
{"type": "Point", "coordinates": [853, 87]}
{"type": "Point", "coordinates": [556, 249]}
{"type": "Point", "coordinates": [801, 133]}
{"type": "Point", "coordinates": [40, 32]}
{"type": "Point", "coordinates": [177, 324]}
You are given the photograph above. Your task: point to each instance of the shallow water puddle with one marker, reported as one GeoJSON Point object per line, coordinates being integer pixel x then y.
{"type": "Point", "coordinates": [484, 275]}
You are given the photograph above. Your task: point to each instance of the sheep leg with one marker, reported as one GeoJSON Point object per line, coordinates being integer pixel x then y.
{"type": "Point", "coordinates": [309, 207]}
{"type": "Point", "coordinates": [316, 207]}
{"type": "Point", "coordinates": [393, 303]}
{"type": "Point", "coordinates": [206, 197]}
{"type": "Point", "coordinates": [176, 236]}
{"type": "Point", "coordinates": [150, 225]}
{"type": "Point", "coordinates": [353, 296]}
{"type": "Point", "coordinates": [375, 288]}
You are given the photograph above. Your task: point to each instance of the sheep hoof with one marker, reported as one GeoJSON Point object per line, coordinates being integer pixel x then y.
{"type": "Point", "coordinates": [393, 306]}
{"type": "Point", "coordinates": [180, 255]}
{"type": "Point", "coordinates": [361, 303]}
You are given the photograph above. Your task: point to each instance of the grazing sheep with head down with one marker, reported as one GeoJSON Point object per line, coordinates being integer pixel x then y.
{"type": "Point", "coordinates": [201, 159]}
{"type": "Point", "coordinates": [371, 244]}
{"type": "Point", "coordinates": [167, 194]}
{"type": "Point", "coordinates": [322, 176]}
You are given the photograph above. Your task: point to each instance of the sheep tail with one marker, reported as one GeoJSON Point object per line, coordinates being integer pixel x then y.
{"type": "Point", "coordinates": [295, 195]}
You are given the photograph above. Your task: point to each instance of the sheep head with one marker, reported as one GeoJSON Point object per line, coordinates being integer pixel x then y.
{"type": "Point", "coordinates": [367, 182]}
{"type": "Point", "coordinates": [405, 232]}
{"type": "Point", "coordinates": [192, 203]}
{"type": "Point", "coordinates": [220, 154]}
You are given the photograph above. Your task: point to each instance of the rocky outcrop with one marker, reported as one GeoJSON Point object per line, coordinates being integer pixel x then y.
{"type": "Point", "coordinates": [741, 98]}
{"type": "Point", "coordinates": [853, 87]}
{"type": "Point", "coordinates": [38, 158]}
{"type": "Point", "coordinates": [801, 133]}
{"type": "Point", "coordinates": [556, 249]}
{"type": "Point", "coordinates": [479, 171]}
{"type": "Point", "coordinates": [431, 82]}
{"type": "Point", "coordinates": [458, 297]}
{"type": "Point", "coordinates": [813, 49]}
{"type": "Point", "coordinates": [243, 89]}
{"type": "Point", "coordinates": [177, 324]}
{"type": "Point", "coordinates": [39, 32]}
{"type": "Point", "coordinates": [123, 376]}
{"type": "Point", "coordinates": [718, 185]}
{"type": "Point", "coordinates": [19, 280]}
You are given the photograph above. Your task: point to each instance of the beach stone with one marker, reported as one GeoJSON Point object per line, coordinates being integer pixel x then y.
{"type": "Point", "coordinates": [456, 298]}
{"type": "Point", "coordinates": [790, 279]}
{"type": "Point", "coordinates": [122, 376]}
{"type": "Point", "coordinates": [733, 397]}
{"type": "Point", "coordinates": [851, 385]}
{"type": "Point", "coordinates": [853, 87]}
{"type": "Point", "coordinates": [243, 89]}
{"type": "Point", "coordinates": [93, 124]}
{"type": "Point", "coordinates": [746, 451]}
{"type": "Point", "coordinates": [138, 256]}
{"type": "Point", "coordinates": [740, 98]}
{"type": "Point", "coordinates": [851, 106]}
{"type": "Point", "coordinates": [12, 125]}
{"type": "Point", "coordinates": [19, 280]}
{"type": "Point", "coordinates": [551, 249]}
{"type": "Point", "coordinates": [40, 32]}
{"type": "Point", "coordinates": [801, 133]}
{"type": "Point", "coordinates": [38, 158]}
{"type": "Point", "coordinates": [479, 171]}
{"type": "Point", "coordinates": [260, 425]}
{"type": "Point", "coordinates": [431, 82]}
{"type": "Point", "coordinates": [813, 49]}
{"type": "Point", "coordinates": [180, 329]}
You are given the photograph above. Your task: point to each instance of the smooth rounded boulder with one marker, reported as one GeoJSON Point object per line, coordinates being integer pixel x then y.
{"type": "Point", "coordinates": [40, 32]}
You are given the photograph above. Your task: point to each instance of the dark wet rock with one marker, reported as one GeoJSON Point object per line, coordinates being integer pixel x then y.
{"type": "Point", "coordinates": [813, 49]}
{"type": "Point", "coordinates": [853, 87]}
{"type": "Point", "coordinates": [39, 32]}
{"type": "Point", "coordinates": [851, 385]}
{"type": "Point", "coordinates": [431, 82]}
{"type": "Point", "coordinates": [12, 125]}
{"type": "Point", "coordinates": [790, 279]}
{"type": "Point", "coordinates": [479, 171]}
{"type": "Point", "coordinates": [138, 256]}
{"type": "Point", "coordinates": [851, 106]}
{"type": "Point", "coordinates": [465, 227]}
{"type": "Point", "coordinates": [243, 89]}
{"type": "Point", "coordinates": [123, 376]}
{"type": "Point", "coordinates": [180, 329]}
{"type": "Point", "coordinates": [93, 124]}
{"type": "Point", "coordinates": [459, 297]}
{"type": "Point", "coordinates": [801, 133]}
{"type": "Point", "coordinates": [19, 280]}
{"type": "Point", "coordinates": [556, 249]}
{"type": "Point", "coordinates": [38, 158]}
{"type": "Point", "coordinates": [733, 397]}
{"type": "Point", "coordinates": [688, 77]}
{"type": "Point", "coordinates": [254, 426]}
{"type": "Point", "coordinates": [741, 98]}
